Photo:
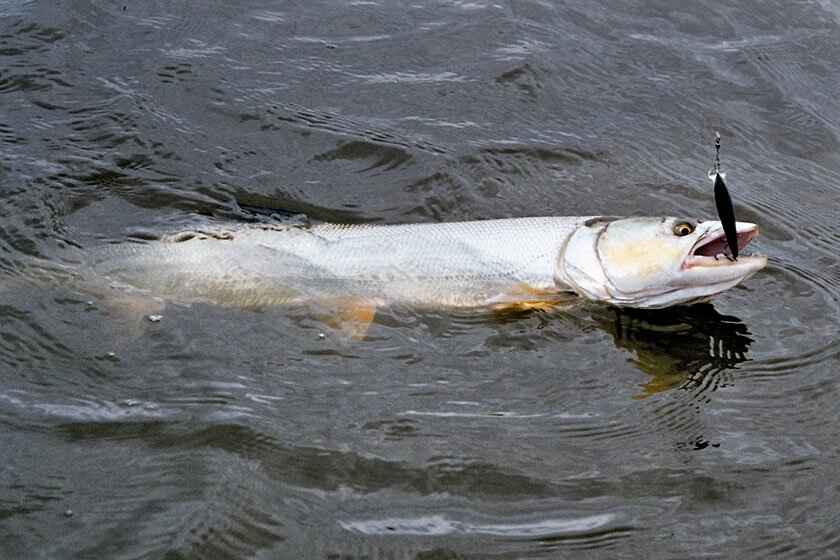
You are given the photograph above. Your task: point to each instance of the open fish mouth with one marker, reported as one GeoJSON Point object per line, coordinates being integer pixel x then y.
{"type": "Point", "coordinates": [712, 249]}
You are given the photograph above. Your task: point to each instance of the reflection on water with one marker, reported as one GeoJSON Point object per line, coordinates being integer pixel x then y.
{"type": "Point", "coordinates": [681, 347]}
{"type": "Point", "coordinates": [688, 347]}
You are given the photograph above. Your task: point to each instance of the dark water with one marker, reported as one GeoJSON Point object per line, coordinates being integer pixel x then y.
{"type": "Point", "coordinates": [216, 433]}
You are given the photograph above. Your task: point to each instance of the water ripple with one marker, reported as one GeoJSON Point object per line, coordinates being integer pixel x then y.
{"type": "Point", "coordinates": [443, 525]}
{"type": "Point", "coordinates": [588, 431]}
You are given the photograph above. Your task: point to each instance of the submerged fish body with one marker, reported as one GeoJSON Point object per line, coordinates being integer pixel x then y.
{"type": "Point", "coordinates": [636, 262]}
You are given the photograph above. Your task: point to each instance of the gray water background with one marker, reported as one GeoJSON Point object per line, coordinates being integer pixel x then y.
{"type": "Point", "coordinates": [709, 431]}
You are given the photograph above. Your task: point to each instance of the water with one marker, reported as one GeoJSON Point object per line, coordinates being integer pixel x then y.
{"type": "Point", "coordinates": [223, 433]}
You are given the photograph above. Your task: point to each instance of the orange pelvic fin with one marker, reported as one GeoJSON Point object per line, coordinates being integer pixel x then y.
{"type": "Point", "coordinates": [524, 297]}
{"type": "Point", "coordinates": [351, 317]}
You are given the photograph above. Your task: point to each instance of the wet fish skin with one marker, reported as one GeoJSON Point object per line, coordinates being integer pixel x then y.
{"type": "Point", "coordinates": [456, 264]}
{"type": "Point", "coordinates": [636, 262]}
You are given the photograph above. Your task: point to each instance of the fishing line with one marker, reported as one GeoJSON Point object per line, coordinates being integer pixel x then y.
{"type": "Point", "coordinates": [723, 202]}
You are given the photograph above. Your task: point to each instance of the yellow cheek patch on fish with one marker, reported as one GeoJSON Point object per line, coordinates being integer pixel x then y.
{"type": "Point", "coordinates": [639, 258]}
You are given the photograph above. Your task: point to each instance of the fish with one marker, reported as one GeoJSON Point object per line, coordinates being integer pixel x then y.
{"type": "Point", "coordinates": [514, 263]}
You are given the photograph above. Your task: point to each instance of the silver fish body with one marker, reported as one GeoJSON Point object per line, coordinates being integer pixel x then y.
{"type": "Point", "coordinates": [457, 264]}
{"type": "Point", "coordinates": [638, 262]}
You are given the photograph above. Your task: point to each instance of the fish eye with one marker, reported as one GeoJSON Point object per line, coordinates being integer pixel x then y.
{"type": "Point", "coordinates": [684, 228]}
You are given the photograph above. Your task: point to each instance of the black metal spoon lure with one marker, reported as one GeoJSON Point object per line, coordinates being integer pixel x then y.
{"type": "Point", "coordinates": [723, 202]}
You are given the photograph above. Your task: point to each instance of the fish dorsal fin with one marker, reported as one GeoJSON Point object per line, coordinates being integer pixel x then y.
{"type": "Point", "coordinates": [200, 234]}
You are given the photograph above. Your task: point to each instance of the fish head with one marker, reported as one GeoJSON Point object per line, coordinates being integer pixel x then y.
{"type": "Point", "coordinates": [654, 262]}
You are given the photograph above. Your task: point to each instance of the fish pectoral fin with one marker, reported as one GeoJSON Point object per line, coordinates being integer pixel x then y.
{"type": "Point", "coordinates": [352, 318]}
{"type": "Point", "coordinates": [524, 297]}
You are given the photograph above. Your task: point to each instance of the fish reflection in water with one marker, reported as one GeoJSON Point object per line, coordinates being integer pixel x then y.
{"type": "Point", "coordinates": [682, 347]}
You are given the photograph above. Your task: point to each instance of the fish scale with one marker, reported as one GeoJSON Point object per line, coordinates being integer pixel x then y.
{"type": "Point", "coordinates": [453, 264]}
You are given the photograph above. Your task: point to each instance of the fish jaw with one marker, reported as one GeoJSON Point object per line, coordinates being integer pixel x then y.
{"type": "Point", "coordinates": [641, 262]}
{"type": "Point", "coordinates": [708, 268]}
{"type": "Point", "coordinates": [711, 248]}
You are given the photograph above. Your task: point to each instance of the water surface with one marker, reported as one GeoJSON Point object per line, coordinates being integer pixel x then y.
{"type": "Point", "coordinates": [222, 433]}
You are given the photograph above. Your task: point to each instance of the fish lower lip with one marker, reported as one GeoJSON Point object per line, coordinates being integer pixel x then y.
{"type": "Point", "coordinates": [702, 260]}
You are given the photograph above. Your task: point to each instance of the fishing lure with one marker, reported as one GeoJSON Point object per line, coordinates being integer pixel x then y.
{"type": "Point", "coordinates": [723, 202]}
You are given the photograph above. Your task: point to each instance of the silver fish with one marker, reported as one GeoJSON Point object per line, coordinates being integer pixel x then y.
{"type": "Point", "coordinates": [523, 262]}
